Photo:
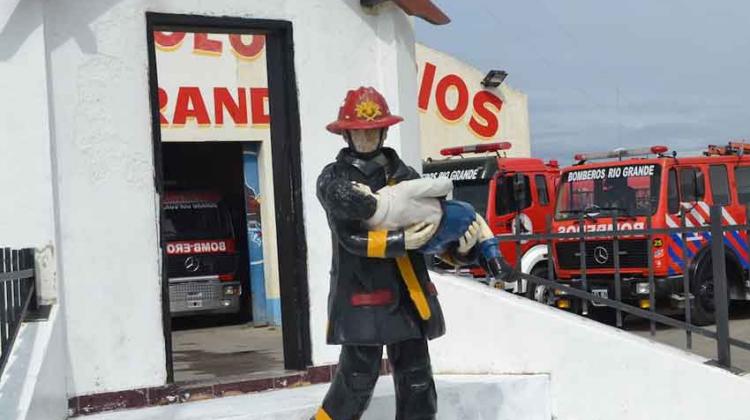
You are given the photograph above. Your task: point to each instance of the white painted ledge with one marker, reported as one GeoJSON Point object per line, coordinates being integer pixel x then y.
{"type": "Point", "coordinates": [597, 371]}
{"type": "Point", "coordinates": [464, 397]}
{"type": "Point", "coordinates": [33, 384]}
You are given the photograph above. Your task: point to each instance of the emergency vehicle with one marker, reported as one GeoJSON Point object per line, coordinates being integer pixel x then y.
{"type": "Point", "coordinates": [201, 254]}
{"type": "Point", "coordinates": [633, 186]}
{"type": "Point", "coordinates": [491, 184]}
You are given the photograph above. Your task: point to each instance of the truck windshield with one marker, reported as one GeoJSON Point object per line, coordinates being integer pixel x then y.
{"type": "Point", "coordinates": [629, 190]}
{"type": "Point", "coordinates": [196, 221]}
{"type": "Point", "coordinates": [472, 192]}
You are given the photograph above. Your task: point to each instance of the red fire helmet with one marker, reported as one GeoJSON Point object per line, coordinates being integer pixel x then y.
{"type": "Point", "coordinates": [363, 108]}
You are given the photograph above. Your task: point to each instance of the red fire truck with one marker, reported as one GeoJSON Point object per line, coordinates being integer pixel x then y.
{"type": "Point", "coordinates": [491, 183]}
{"type": "Point", "coordinates": [201, 254]}
{"type": "Point", "coordinates": [631, 186]}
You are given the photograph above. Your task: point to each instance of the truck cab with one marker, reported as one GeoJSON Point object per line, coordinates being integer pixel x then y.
{"type": "Point", "coordinates": [491, 184]}
{"type": "Point", "coordinates": [201, 254]}
{"type": "Point", "coordinates": [627, 189]}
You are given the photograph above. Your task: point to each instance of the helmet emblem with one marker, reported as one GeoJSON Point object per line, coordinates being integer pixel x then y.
{"type": "Point", "coordinates": [368, 110]}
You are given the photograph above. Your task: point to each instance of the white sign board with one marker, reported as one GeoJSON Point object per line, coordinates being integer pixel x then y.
{"type": "Point", "coordinates": [456, 110]}
{"type": "Point", "coordinates": [212, 87]}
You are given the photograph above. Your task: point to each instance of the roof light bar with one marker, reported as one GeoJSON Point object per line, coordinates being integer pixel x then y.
{"type": "Point", "coordinates": [475, 148]}
{"type": "Point", "coordinates": [733, 148]}
{"type": "Point", "coordinates": [621, 153]}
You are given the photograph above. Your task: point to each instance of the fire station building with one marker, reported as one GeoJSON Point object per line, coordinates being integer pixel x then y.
{"type": "Point", "coordinates": [112, 105]}
{"type": "Point", "coordinates": [161, 156]}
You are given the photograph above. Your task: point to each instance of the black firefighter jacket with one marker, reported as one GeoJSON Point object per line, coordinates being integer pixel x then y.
{"type": "Point", "coordinates": [380, 293]}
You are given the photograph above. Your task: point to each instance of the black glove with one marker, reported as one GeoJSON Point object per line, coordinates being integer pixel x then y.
{"type": "Point", "coordinates": [498, 268]}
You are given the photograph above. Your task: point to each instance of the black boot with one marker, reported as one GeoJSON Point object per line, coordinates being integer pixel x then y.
{"type": "Point", "coordinates": [351, 388]}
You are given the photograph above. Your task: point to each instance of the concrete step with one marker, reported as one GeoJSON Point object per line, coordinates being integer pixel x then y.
{"type": "Point", "coordinates": [465, 397]}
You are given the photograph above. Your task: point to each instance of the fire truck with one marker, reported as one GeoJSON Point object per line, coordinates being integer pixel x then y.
{"type": "Point", "coordinates": [509, 192]}
{"type": "Point", "coordinates": [631, 185]}
{"type": "Point", "coordinates": [202, 255]}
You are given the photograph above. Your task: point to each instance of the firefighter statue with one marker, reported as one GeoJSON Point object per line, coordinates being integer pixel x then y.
{"type": "Point", "coordinates": [381, 294]}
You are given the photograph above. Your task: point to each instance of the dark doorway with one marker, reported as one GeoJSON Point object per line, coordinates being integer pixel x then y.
{"type": "Point", "coordinates": [213, 335]}
{"type": "Point", "coordinates": [286, 166]}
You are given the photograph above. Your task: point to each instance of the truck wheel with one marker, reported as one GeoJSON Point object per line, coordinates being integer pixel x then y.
{"type": "Point", "coordinates": [606, 316]}
{"type": "Point", "coordinates": [538, 292]}
{"type": "Point", "coordinates": [702, 288]}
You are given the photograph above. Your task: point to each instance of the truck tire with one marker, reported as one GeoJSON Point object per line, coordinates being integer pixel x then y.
{"type": "Point", "coordinates": [538, 292]}
{"type": "Point", "coordinates": [607, 316]}
{"type": "Point", "coordinates": [702, 288]}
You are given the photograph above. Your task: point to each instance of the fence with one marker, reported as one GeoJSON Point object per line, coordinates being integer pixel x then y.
{"type": "Point", "coordinates": [17, 294]}
{"type": "Point", "coordinates": [580, 288]}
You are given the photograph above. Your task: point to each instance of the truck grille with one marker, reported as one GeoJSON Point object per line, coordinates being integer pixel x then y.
{"type": "Point", "coordinates": [207, 265]}
{"type": "Point", "coordinates": [180, 292]}
{"type": "Point", "coordinates": [633, 254]}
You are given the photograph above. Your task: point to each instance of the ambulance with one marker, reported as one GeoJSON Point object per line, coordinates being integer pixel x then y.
{"type": "Point", "coordinates": [508, 192]}
{"type": "Point", "coordinates": [626, 187]}
{"type": "Point", "coordinates": [201, 254]}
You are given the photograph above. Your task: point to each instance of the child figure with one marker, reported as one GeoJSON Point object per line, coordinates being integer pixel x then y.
{"type": "Point", "coordinates": [423, 200]}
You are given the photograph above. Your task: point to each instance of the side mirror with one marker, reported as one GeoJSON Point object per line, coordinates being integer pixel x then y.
{"type": "Point", "coordinates": [520, 187]}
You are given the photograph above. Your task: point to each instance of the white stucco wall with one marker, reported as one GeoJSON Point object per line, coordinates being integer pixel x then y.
{"type": "Point", "coordinates": [108, 207]}
{"type": "Point", "coordinates": [597, 372]}
{"type": "Point", "coordinates": [26, 218]}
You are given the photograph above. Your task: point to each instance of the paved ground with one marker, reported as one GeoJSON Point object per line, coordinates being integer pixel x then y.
{"type": "Point", "coordinates": [473, 397]}
{"type": "Point", "coordinates": [739, 327]}
{"type": "Point", "coordinates": [205, 350]}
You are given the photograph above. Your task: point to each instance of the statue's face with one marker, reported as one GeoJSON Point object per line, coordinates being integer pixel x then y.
{"type": "Point", "coordinates": [366, 141]}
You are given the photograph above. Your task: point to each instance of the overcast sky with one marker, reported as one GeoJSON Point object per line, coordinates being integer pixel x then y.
{"type": "Point", "coordinates": [602, 74]}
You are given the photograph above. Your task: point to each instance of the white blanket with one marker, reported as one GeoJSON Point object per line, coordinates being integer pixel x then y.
{"type": "Point", "coordinates": [409, 202]}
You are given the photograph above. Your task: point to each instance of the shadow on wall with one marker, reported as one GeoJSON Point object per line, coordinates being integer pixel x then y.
{"type": "Point", "coordinates": [369, 16]}
{"type": "Point", "coordinates": [28, 15]}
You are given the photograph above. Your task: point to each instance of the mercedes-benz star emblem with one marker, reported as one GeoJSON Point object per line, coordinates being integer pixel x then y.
{"type": "Point", "coordinates": [601, 255]}
{"type": "Point", "coordinates": [192, 264]}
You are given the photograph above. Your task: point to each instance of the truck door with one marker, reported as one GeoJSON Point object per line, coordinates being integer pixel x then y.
{"type": "Point", "coordinates": [506, 210]}
{"type": "Point", "coordinates": [734, 209]}
{"type": "Point", "coordinates": [742, 186]}
{"type": "Point", "coordinates": [543, 204]}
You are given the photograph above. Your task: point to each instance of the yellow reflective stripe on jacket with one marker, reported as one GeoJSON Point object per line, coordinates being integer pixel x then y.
{"type": "Point", "coordinates": [322, 415]}
{"type": "Point", "coordinates": [376, 243]}
{"type": "Point", "coordinates": [412, 284]}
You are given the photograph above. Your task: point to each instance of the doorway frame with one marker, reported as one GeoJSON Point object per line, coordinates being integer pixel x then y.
{"type": "Point", "coordinates": [287, 171]}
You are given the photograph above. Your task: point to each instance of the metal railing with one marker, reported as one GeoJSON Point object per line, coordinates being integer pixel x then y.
{"type": "Point", "coordinates": [580, 289]}
{"type": "Point", "coordinates": [17, 294]}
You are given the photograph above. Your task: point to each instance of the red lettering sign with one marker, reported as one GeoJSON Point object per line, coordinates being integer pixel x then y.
{"type": "Point", "coordinates": [203, 45]}
{"type": "Point", "coordinates": [190, 105]}
{"type": "Point", "coordinates": [484, 102]}
{"type": "Point", "coordinates": [162, 106]}
{"type": "Point", "coordinates": [200, 247]}
{"type": "Point", "coordinates": [486, 106]}
{"type": "Point", "coordinates": [247, 51]}
{"type": "Point", "coordinates": [441, 97]}
{"type": "Point", "coordinates": [168, 40]}
{"type": "Point", "coordinates": [258, 98]}
{"type": "Point", "coordinates": [428, 78]}
{"type": "Point", "coordinates": [224, 100]}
